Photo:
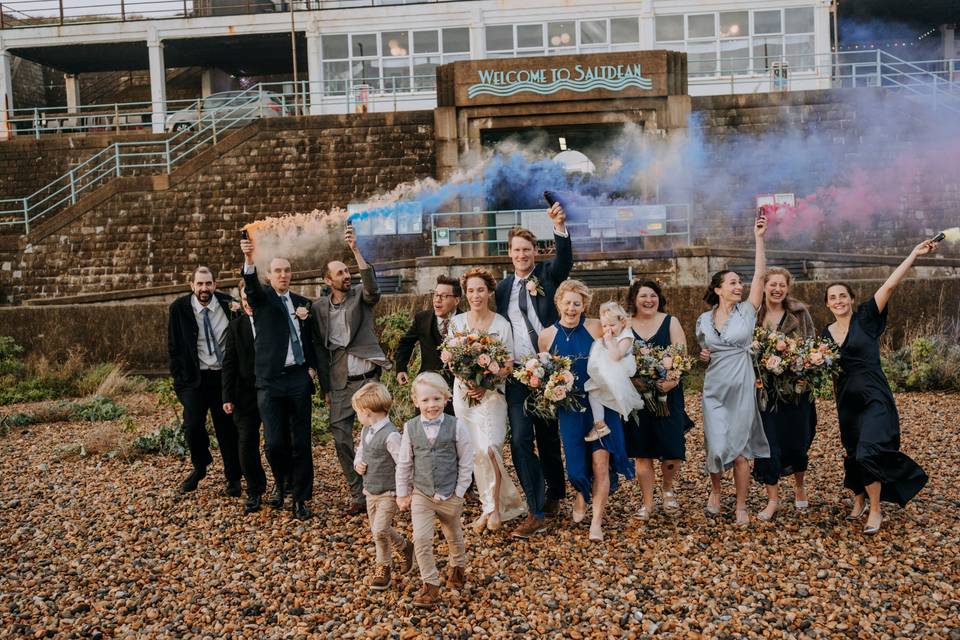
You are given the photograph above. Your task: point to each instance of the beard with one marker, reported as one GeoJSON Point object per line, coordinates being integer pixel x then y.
{"type": "Point", "coordinates": [204, 296]}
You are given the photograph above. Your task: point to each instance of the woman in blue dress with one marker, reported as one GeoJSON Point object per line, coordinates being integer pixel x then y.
{"type": "Point", "coordinates": [592, 467]}
{"type": "Point", "coordinates": [732, 429]}
{"type": "Point", "coordinates": [651, 437]}
{"type": "Point", "coordinates": [874, 467]}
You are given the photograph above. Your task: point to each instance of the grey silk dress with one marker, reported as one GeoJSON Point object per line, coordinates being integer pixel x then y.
{"type": "Point", "coordinates": [731, 419]}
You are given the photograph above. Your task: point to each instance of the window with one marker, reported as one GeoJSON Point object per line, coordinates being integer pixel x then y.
{"type": "Point", "coordinates": [366, 72]}
{"type": "Point", "coordinates": [669, 28]}
{"type": "Point", "coordinates": [395, 43]}
{"type": "Point", "coordinates": [561, 34]}
{"type": "Point", "coordinates": [734, 56]}
{"type": "Point", "coordinates": [702, 58]}
{"type": "Point", "coordinates": [426, 42]}
{"type": "Point", "coordinates": [798, 20]}
{"type": "Point", "coordinates": [766, 50]}
{"type": "Point", "coordinates": [766, 22]}
{"type": "Point", "coordinates": [500, 38]}
{"type": "Point", "coordinates": [456, 40]}
{"type": "Point", "coordinates": [364, 45]}
{"type": "Point", "coordinates": [530, 36]}
{"type": "Point", "coordinates": [624, 30]}
{"type": "Point", "coordinates": [735, 24]}
{"type": "Point", "coordinates": [593, 32]}
{"type": "Point", "coordinates": [334, 47]}
{"type": "Point", "coordinates": [425, 73]}
{"type": "Point", "coordinates": [701, 26]}
{"type": "Point", "coordinates": [336, 75]}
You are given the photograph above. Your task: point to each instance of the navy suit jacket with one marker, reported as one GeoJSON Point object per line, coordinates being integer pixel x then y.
{"type": "Point", "coordinates": [550, 274]}
{"type": "Point", "coordinates": [273, 330]}
{"type": "Point", "coordinates": [182, 334]}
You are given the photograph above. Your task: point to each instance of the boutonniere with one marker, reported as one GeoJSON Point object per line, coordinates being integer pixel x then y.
{"type": "Point", "coordinates": [533, 286]}
{"type": "Point", "coordinates": [234, 306]}
{"type": "Point", "coordinates": [302, 312]}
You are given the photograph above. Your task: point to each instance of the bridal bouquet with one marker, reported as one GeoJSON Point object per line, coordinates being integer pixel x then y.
{"type": "Point", "coordinates": [550, 380]}
{"type": "Point", "coordinates": [789, 368]}
{"type": "Point", "coordinates": [477, 359]}
{"type": "Point", "coordinates": [655, 364]}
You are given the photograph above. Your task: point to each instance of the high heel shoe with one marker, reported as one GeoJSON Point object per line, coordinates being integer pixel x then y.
{"type": "Point", "coordinates": [494, 521]}
{"type": "Point", "coordinates": [872, 530]}
{"type": "Point", "coordinates": [646, 513]}
{"type": "Point", "coordinates": [856, 515]}
{"type": "Point", "coordinates": [745, 520]}
{"type": "Point", "coordinates": [767, 518]}
{"type": "Point", "coordinates": [480, 523]}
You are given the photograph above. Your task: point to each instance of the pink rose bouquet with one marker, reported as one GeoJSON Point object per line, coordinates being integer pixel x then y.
{"type": "Point", "coordinates": [550, 381]}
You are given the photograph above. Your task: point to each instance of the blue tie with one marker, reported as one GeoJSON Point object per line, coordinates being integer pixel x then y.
{"type": "Point", "coordinates": [294, 340]}
{"type": "Point", "coordinates": [212, 345]}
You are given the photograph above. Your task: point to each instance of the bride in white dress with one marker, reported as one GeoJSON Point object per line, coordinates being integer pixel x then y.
{"type": "Point", "coordinates": [487, 419]}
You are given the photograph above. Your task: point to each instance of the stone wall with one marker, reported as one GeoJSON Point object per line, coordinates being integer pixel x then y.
{"type": "Point", "coordinates": [144, 239]}
{"type": "Point", "coordinates": [136, 333]}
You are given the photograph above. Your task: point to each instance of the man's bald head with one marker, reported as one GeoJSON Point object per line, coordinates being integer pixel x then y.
{"type": "Point", "coordinates": [280, 274]}
{"type": "Point", "coordinates": [337, 275]}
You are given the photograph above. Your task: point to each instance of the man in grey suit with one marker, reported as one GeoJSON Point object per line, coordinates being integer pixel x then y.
{"type": "Point", "coordinates": [348, 353]}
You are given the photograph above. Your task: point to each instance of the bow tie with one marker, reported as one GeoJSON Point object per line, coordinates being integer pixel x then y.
{"type": "Point", "coordinates": [432, 423]}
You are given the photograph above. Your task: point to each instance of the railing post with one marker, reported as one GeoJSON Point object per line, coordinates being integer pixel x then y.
{"type": "Point", "coordinates": [879, 69]}
{"type": "Point", "coordinates": [73, 188]}
{"type": "Point", "coordinates": [116, 117]}
{"type": "Point", "coordinates": [166, 153]}
{"type": "Point", "coordinates": [26, 217]}
{"type": "Point", "coordinates": [213, 123]}
{"type": "Point", "coordinates": [260, 98]}
{"type": "Point", "coordinates": [61, 12]}
{"type": "Point", "coordinates": [36, 123]}
{"type": "Point", "coordinates": [116, 157]}
{"type": "Point", "coordinates": [123, 12]}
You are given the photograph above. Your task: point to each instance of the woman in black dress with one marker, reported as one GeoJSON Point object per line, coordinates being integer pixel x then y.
{"type": "Point", "coordinates": [650, 437]}
{"type": "Point", "coordinates": [789, 427]}
{"type": "Point", "coordinates": [874, 466]}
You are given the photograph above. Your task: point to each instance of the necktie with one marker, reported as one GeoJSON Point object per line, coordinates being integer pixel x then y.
{"type": "Point", "coordinates": [294, 338]}
{"type": "Point", "coordinates": [444, 327]}
{"type": "Point", "coordinates": [212, 345]}
{"type": "Point", "coordinates": [524, 300]}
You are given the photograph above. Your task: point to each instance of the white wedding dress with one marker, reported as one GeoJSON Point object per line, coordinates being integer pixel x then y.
{"type": "Point", "coordinates": [487, 422]}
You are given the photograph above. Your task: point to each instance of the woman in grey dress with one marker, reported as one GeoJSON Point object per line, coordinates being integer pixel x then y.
{"type": "Point", "coordinates": [732, 429]}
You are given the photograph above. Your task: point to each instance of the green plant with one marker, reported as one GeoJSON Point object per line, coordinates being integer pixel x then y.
{"type": "Point", "coordinates": [320, 417]}
{"type": "Point", "coordinates": [97, 409]}
{"type": "Point", "coordinates": [166, 440]}
{"type": "Point", "coordinates": [392, 327]}
{"type": "Point", "coordinates": [927, 363]}
{"type": "Point", "coordinates": [10, 352]}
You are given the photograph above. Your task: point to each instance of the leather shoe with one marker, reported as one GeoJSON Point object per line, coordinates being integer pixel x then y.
{"type": "Point", "coordinates": [234, 489]}
{"type": "Point", "coordinates": [300, 511]}
{"type": "Point", "coordinates": [355, 509]}
{"type": "Point", "coordinates": [252, 505]}
{"type": "Point", "coordinates": [276, 497]}
{"type": "Point", "coordinates": [551, 508]}
{"type": "Point", "coordinates": [190, 484]}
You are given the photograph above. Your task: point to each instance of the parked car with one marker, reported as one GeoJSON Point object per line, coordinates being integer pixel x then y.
{"type": "Point", "coordinates": [228, 105]}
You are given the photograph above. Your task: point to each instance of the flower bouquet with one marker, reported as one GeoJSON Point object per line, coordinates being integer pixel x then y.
{"type": "Point", "coordinates": [550, 380]}
{"type": "Point", "coordinates": [788, 368]}
{"type": "Point", "coordinates": [477, 359]}
{"type": "Point", "coordinates": [655, 364]}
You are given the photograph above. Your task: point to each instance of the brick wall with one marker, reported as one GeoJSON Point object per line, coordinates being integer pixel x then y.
{"type": "Point", "coordinates": [144, 239]}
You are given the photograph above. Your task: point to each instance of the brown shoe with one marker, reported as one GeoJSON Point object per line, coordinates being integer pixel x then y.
{"type": "Point", "coordinates": [551, 508]}
{"type": "Point", "coordinates": [456, 578]}
{"type": "Point", "coordinates": [407, 554]}
{"type": "Point", "coordinates": [529, 527]}
{"type": "Point", "coordinates": [381, 578]}
{"type": "Point", "coordinates": [428, 597]}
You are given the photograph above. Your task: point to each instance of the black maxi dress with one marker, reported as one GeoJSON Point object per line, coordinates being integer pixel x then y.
{"type": "Point", "coordinates": [869, 423]}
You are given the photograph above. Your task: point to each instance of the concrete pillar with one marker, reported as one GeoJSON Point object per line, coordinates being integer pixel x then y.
{"type": "Point", "coordinates": [206, 82]}
{"type": "Point", "coordinates": [948, 33]}
{"type": "Point", "coordinates": [477, 49]}
{"type": "Point", "coordinates": [72, 88]}
{"type": "Point", "coordinates": [822, 50]}
{"type": "Point", "coordinates": [647, 32]}
{"type": "Point", "coordinates": [158, 82]}
{"type": "Point", "coordinates": [6, 96]}
{"type": "Point", "coordinates": [314, 62]}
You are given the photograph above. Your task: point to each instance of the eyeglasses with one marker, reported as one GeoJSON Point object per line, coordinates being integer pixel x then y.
{"type": "Point", "coordinates": [443, 296]}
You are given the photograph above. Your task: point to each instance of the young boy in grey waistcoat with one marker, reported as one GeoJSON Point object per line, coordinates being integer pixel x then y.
{"type": "Point", "coordinates": [434, 469]}
{"type": "Point", "coordinates": [376, 462]}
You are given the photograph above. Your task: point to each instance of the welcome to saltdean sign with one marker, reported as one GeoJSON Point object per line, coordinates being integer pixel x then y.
{"type": "Point", "coordinates": [578, 78]}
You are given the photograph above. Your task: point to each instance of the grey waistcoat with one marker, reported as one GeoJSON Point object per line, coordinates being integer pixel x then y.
{"type": "Point", "coordinates": [381, 469]}
{"type": "Point", "coordinates": [435, 466]}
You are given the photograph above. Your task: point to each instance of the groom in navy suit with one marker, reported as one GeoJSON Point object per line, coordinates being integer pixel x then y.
{"type": "Point", "coordinates": [526, 299]}
{"type": "Point", "coordinates": [284, 365]}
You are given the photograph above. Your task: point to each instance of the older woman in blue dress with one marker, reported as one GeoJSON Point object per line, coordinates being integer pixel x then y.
{"type": "Point", "coordinates": [732, 429]}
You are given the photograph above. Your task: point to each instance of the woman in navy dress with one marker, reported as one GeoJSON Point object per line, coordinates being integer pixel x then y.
{"type": "Point", "coordinates": [650, 437]}
{"type": "Point", "coordinates": [874, 467]}
{"type": "Point", "coordinates": [789, 427]}
{"type": "Point", "coordinates": [592, 467]}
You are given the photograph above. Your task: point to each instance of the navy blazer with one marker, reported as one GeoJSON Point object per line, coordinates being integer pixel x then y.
{"type": "Point", "coordinates": [182, 335]}
{"type": "Point", "coordinates": [239, 380]}
{"type": "Point", "coordinates": [549, 274]}
{"type": "Point", "coordinates": [273, 330]}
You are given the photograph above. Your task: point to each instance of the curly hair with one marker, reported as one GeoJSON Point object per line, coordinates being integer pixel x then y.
{"type": "Point", "coordinates": [483, 274]}
{"type": "Point", "coordinates": [573, 286]}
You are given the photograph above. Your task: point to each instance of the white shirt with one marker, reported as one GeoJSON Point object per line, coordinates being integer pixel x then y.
{"type": "Point", "coordinates": [522, 343]}
{"type": "Point", "coordinates": [392, 444]}
{"type": "Point", "coordinates": [464, 457]}
{"type": "Point", "coordinates": [219, 322]}
{"type": "Point", "coordinates": [253, 326]}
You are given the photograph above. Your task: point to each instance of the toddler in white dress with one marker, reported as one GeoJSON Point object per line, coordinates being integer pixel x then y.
{"type": "Point", "coordinates": [610, 366]}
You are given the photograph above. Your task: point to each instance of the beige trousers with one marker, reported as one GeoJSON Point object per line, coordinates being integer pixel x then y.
{"type": "Point", "coordinates": [423, 510]}
{"type": "Point", "coordinates": [380, 512]}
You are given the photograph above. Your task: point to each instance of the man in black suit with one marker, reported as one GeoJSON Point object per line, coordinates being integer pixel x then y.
{"type": "Point", "coordinates": [196, 332]}
{"type": "Point", "coordinates": [525, 297]}
{"type": "Point", "coordinates": [429, 329]}
{"type": "Point", "coordinates": [240, 400]}
{"type": "Point", "coordinates": [284, 365]}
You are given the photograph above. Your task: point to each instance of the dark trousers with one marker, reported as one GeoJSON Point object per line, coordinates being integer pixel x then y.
{"type": "Point", "coordinates": [285, 407]}
{"type": "Point", "coordinates": [246, 416]}
{"type": "Point", "coordinates": [197, 402]}
{"type": "Point", "coordinates": [540, 477]}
